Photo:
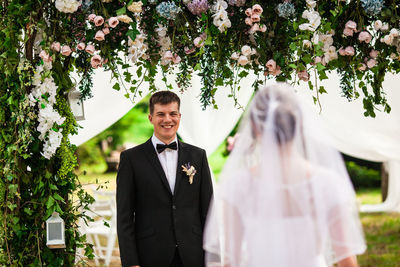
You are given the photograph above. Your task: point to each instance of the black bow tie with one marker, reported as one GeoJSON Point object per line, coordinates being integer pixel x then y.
{"type": "Point", "coordinates": [161, 147]}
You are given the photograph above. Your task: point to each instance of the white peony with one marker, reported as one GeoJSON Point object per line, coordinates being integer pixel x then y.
{"type": "Point", "coordinates": [243, 60]}
{"type": "Point", "coordinates": [246, 50]}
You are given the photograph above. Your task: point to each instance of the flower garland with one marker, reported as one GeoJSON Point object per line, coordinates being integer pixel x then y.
{"type": "Point", "coordinates": [44, 94]}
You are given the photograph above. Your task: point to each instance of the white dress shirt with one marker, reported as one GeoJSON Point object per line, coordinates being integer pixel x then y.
{"type": "Point", "coordinates": [168, 159]}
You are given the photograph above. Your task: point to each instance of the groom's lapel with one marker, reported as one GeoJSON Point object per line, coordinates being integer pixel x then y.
{"type": "Point", "coordinates": [153, 158]}
{"type": "Point", "coordinates": [182, 156]}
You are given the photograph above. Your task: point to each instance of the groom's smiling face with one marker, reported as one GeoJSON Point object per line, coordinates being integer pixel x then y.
{"type": "Point", "coordinates": [165, 119]}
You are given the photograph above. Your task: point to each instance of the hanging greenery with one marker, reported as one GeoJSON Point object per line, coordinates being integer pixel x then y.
{"type": "Point", "coordinates": [42, 42]}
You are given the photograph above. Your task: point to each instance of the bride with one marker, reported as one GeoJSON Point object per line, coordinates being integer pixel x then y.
{"type": "Point", "coordinates": [284, 197]}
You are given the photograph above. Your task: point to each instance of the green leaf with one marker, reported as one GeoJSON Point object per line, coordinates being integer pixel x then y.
{"type": "Point", "coordinates": [121, 11]}
{"type": "Point", "coordinates": [28, 211]}
{"type": "Point", "coordinates": [116, 87]}
{"type": "Point", "coordinates": [293, 46]}
{"type": "Point", "coordinates": [243, 74]}
{"type": "Point", "coordinates": [50, 202]}
{"type": "Point", "coordinates": [139, 71]}
{"type": "Point", "coordinates": [320, 67]}
{"type": "Point", "coordinates": [293, 66]}
{"type": "Point", "coordinates": [58, 197]}
{"type": "Point", "coordinates": [322, 90]}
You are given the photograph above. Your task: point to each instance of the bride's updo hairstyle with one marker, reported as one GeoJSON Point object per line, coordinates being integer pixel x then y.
{"type": "Point", "coordinates": [274, 108]}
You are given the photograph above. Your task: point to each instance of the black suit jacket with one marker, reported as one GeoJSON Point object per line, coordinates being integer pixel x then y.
{"type": "Point", "coordinates": [151, 221]}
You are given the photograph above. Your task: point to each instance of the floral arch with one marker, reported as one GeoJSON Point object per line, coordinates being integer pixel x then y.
{"type": "Point", "coordinates": [43, 41]}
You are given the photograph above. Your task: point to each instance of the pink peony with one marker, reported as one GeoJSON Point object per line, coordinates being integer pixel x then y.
{"type": "Point", "coordinates": [351, 25]}
{"type": "Point", "coordinates": [249, 12]}
{"type": "Point", "coordinates": [66, 50]}
{"type": "Point", "coordinates": [81, 46]}
{"type": "Point", "coordinates": [168, 55]}
{"type": "Point", "coordinates": [257, 9]}
{"type": "Point", "coordinates": [348, 32]}
{"type": "Point", "coordinates": [373, 54]}
{"type": "Point", "coordinates": [364, 36]}
{"type": "Point", "coordinates": [45, 56]}
{"type": "Point", "coordinates": [95, 61]}
{"type": "Point", "coordinates": [91, 17]}
{"type": "Point", "coordinates": [99, 36]}
{"type": "Point", "coordinates": [342, 52]}
{"type": "Point", "coordinates": [90, 49]}
{"type": "Point", "coordinates": [106, 30]}
{"type": "Point", "coordinates": [55, 46]}
{"type": "Point", "coordinates": [255, 18]}
{"type": "Point", "coordinates": [303, 75]}
{"type": "Point", "coordinates": [113, 22]}
{"type": "Point", "coordinates": [371, 63]}
{"type": "Point", "coordinates": [189, 51]}
{"type": "Point", "coordinates": [248, 21]}
{"type": "Point", "coordinates": [98, 20]}
{"type": "Point", "coordinates": [319, 59]}
{"type": "Point", "coordinates": [349, 51]}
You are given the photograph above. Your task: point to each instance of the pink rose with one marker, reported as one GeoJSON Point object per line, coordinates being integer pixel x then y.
{"type": "Point", "coordinates": [348, 32]}
{"type": "Point", "coordinates": [255, 18]}
{"type": "Point", "coordinates": [342, 52]}
{"type": "Point", "coordinates": [303, 75]}
{"type": "Point", "coordinates": [113, 21]}
{"type": "Point", "coordinates": [271, 65]}
{"type": "Point", "coordinates": [176, 59]}
{"type": "Point", "coordinates": [349, 51]}
{"type": "Point", "coordinates": [91, 17]}
{"type": "Point", "coordinates": [168, 55]}
{"type": "Point", "coordinates": [80, 46]}
{"type": "Point", "coordinates": [95, 61]}
{"type": "Point", "coordinates": [371, 63]}
{"type": "Point", "coordinates": [90, 49]}
{"type": "Point", "coordinates": [257, 9]}
{"type": "Point", "coordinates": [55, 46]}
{"type": "Point", "coordinates": [248, 21]}
{"type": "Point", "coordinates": [362, 67]}
{"type": "Point", "coordinates": [66, 50]}
{"type": "Point", "coordinates": [319, 59]}
{"type": "Point", "coordinates": [98, 20]}
{"type": "Point", "coordinates": [243, 60]}
{"type": "Point", "coordinates": [351, 25]}
{"type": "Point", "coordinates": [364, 37]}
{"type": "Point", "coordinates": [198, 42]}
{"type": "Point", "coordinates": [99, 36]}
{"type": "Point", "coordinates": [249, 12]}
{"type": "Point", "coordinates": [45, 56]}
{"type": "Point", "coordinates": [106, 30]}
{"type": "Point", "coordinates": [373, 54]}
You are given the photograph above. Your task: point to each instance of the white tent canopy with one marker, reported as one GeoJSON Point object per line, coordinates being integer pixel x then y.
{"type": "Point", "coordinates": [373, 139]}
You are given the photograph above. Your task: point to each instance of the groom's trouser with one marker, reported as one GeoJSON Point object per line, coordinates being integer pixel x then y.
{"type": "Point", "coordinates": [176, 261]}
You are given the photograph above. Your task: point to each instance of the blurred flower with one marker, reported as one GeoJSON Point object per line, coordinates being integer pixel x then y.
{"type": "Point", "coordinates": [99, 36]}
{"type": "Point", "coordinates": [378, 25]}
{"type": "Point", "coordinates": [81, 46]}
{"type": "Point", "coordinates": [257, 9]}
{"type": "Point", "coordinates": [243, 60]}
{"type": "Point", "coordinates": [314, 20]}
{"type": "Point", "coordinates": [45, 56]}
{"type": "Point", "coordinates": [286, 10]}
{"type": "Point", "coordinates": [91, 17]}
{"type": "Point", "coordinates": [125, 19]}
{"type": "Point", "coordinates": [106, 30]}
{"type": "Point", "coordinates": [364, 36]}
{"type": "Point", "coordinates": [113, 22]}
{"type": "Point", "coordinates": [373, 54]}
{"type": "Point", "coordinates": [66, 50]}
{"type": "Point", "coordinates": [372, 7]}
{"type": "Point", "coordinates": [67, 6]}
{"type": "Point", "coordinates": [168, 10]}
{"type": "Point", "coordinates": [197, 7]}
{"type": "Point", "coordinates": [95, 61]}
{"type": "Point", "coordinates": [56, 46]}
{"type": "Point", "coordinates": [135, 7]}
{"type": "Point", "coordinates": [303, 75]}
{"type": "Point", "coordinates": [98, 20]}
{"type": "Point", "coordinates": [371, 63]}
{"type": "Point", "coordinates": [246, 50]}
{"type": "Point", "coordinates": [90, 49]}
{"type": "Point", "coordinates": [198, 42]}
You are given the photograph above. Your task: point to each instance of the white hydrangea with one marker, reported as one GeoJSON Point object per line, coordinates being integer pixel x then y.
{"type": "Point", "coordinates": [137, 48]}
{"type": "Point", "coordinates": [68, 6]}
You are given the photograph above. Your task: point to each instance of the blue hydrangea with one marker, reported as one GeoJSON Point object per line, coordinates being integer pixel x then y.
{"type": "Point", "coordinates": [168, 10]}
{"type": "Point", "coordinates": [286, 10]}
{"type": "Point", "coordinates": [372, 7]}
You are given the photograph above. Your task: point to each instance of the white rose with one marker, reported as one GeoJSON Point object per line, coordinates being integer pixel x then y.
{"type": "Point", "coordinates": [243, 60]}
{"type": "Point", "coordinates": [385, 27]}
{"type": "Point", "coordinates": [394, 32]}
{"type": "Point", "coordinates": [307, 44]}
{"type": "Point", "coordinates": [235, 56]}
{"type": "Point", "coordinates": [388, 39]}
{"type": "Point", "coordinates": [311, 3]}
{"type": "Point", "coordinates": [378, 25]}
{"type": "Point", "coordinates": [246, 50]}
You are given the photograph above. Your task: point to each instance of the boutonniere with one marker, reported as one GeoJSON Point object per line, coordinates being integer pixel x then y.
{"type": "Point", "coordinates": [190, 171]}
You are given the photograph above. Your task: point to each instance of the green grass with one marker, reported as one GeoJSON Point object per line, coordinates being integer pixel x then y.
{"type": "Point", "coordinates": [369, 196]}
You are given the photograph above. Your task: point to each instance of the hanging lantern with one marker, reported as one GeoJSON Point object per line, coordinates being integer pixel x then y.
{"type": "Point", "coordinates": [76, 104]}
{"type": "Point", "coordinates": [55, 231]}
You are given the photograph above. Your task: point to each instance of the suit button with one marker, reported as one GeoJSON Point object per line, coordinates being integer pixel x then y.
{"type": "Point", "coordinates": [174, 207]}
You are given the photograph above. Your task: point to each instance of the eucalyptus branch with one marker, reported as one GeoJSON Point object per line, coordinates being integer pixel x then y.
{"type": "Point", "coordinates": [316, 88]}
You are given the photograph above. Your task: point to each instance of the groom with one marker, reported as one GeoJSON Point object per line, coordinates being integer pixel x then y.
{"type": "Point", "coordinates": [161, 208]}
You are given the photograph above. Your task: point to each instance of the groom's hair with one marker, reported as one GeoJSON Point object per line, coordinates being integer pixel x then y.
{"type": "Point", "coordinates": [163, 98]}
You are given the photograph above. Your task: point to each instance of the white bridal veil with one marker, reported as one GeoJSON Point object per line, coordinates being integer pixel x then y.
{"type": "Point", "coordinates": [284, 197]}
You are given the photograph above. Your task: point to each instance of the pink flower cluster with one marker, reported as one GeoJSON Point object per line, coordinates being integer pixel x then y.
{"type": "Point", "coordinates": [303, 75]}
{"type": "Point", "coordinates": [369, 62]}
{"type": "Point", "coordinates": [169, 56]}
{"type": "Point", "coordinates": [99, 21]}
{"type": "Point", "coordinates": [273, 69]}
{"type": "Point", "coordinates": [198, 42]}
{"type": "Point", "coordinates": [253, 19]}
{"type": "Point", "coordinates": [364, 36]}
